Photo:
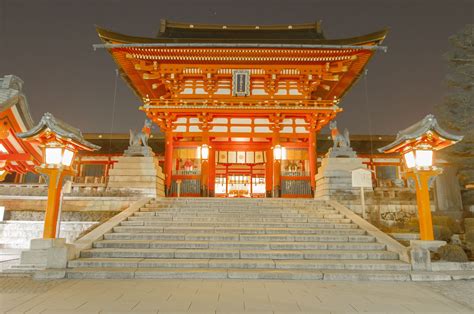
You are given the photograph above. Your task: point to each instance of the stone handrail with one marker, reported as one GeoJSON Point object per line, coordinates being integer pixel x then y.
{"type": "Point", "coordinates": [85, 242]}
{"type": "Point", "coordinates": [392, 244]}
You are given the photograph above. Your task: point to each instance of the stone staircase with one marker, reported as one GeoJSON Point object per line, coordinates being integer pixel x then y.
{"type": "Point", "coordinates": [238, 238]}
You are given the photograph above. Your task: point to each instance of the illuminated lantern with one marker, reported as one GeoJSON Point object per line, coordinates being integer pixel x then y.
{"type": "Point", "coordinates": [205, 152]}
{"type": "Point", "coordinates": [60, 143]}
{"type": "Point", "coordinates": [417, 144]}
{"type": "Point", "coordinates": [279, 152]}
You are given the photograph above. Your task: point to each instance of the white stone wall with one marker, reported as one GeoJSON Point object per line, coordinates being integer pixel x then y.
{"type": "Point", "coordinates": [17, 234]}
{"type": "Point", "coordinates": [69, 203]}
{"type": "Point", "coordinates": [389, 211]}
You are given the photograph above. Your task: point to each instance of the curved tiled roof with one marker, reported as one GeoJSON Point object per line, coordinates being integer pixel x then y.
{"type": "Point", "coordinates": [11, 95]}
{"type": "Point", "coordinates": [173, 32]}
{"type": "Point", "coordinates": [427, 124]}
{"type": "Point", "coordinates": [64, 130]}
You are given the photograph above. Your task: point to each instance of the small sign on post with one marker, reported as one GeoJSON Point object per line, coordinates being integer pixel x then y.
{"type": "Point", "coordinates": [362, 178]}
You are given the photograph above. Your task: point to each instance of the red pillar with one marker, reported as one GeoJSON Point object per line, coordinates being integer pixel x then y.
{"type": "Point", "coordinates": [269, 172]}
{"type": "Point", "coordinates": [205, 168]}
{"type": "Point", "coordinates": [276, 165]}
{"type": "Point", "coordinates": [312, 158]}
{"type": "Point", "coordinates": [168, 160]}
{"type": "Point", "coordinates": [212, 171]}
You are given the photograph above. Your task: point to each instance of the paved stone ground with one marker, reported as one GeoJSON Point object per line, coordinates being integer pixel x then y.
{"type": "Point", "coordinates": [461, 291]}
{"type": "Point", "coordinates": [22, 295]}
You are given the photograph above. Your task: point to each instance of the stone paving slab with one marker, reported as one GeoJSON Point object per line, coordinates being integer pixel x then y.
{"type": "Point", "coordinates": [23, 295]}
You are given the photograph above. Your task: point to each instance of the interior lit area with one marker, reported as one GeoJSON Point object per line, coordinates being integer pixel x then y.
{"type": "Point", "coordinates": [240, 180]}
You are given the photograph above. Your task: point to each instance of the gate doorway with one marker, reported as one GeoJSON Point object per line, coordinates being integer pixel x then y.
{"type": "Point", "coordinates": [240, 181]}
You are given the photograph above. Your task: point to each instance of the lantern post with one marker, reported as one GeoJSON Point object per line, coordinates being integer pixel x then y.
{"type": "Point", "coordinates": [60, 144]}
{"type": "Point", "coordinates": [417, 144]}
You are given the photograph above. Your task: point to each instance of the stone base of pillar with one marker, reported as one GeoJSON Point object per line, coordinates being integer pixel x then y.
{"type": "Point", "coordinates": [204, 191]}
{"type": "Point", "coordinates": [137, 175]}
{"type": "Point", "coordinates": [335, 176]}
{"type": "Point", "coordinates": [420, 253]}
{"type": "Point", "coordinates": [276, 191]}
{"type": "Point", "coordinates": [47, 253]}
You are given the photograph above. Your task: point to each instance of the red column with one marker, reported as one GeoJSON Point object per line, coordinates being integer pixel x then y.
{"type": "Point", "coordinates": [205, 168]}
{"type": "Point", "coordinates": [269, 172]}
{"type": "Point", "coordinates": [276, 164]}
{"type": "Point", "coordinates": [168, 160]}
{"type": "Point", "coordinates": [312, 158]}
{"type": "Point", "coordinates": [212, 171]}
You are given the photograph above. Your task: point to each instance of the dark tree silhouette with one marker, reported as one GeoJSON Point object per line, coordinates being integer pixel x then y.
{"type": "Point", "coordinates": [457, 110]}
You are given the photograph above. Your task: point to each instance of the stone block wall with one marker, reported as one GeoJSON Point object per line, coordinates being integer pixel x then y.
{"type": "Point", "coordinates": [84, 204]}
{"type": "Point", "coordinates": [17, 234]}
{"type": "Point", "coordinates": [137, 175]}
{"type": "Point", "coordinates": [387, 211]}
{"type": "Point", "coordinates": [24, 216]}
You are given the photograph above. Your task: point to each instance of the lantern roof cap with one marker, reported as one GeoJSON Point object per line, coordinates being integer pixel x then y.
{"type": "Point", "coordinates": [413, 133]}
{"type": "Point", "coordinates": [61, 129]}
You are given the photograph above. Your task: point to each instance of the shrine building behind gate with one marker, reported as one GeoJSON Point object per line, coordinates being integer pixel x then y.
{"type": "Point", "coordinates": [240, 106]}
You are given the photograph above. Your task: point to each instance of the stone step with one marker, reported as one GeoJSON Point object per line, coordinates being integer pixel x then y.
{"type": "Point", "coordinates": [244, 217]}
{"type": "Point", "coordinates": [226, 215]}
{"type": "Point", "coordinates": [236, 209]}
{"type": "Point", "coordinates": [387, 265]}
{"type": "Point", "coordinates": [236, 254]}
{"type": "Point", "coordinates": [206, 212]}
{"type": "Point", "coordinates": [237, 230]}
{"type": "Point", "coordinates": [247, 218]}
{"type": "Point", "coordinates": [198, 273]}
{"type": "Point", "coordinates": [243, 237]}
{"type": "Point", "coordinates": [225, 208]}
{"type": "Point", "coordinates": [358, 275]}
{"type": "Point", "coordinates": [160, 223]}
{"type": "Point", "coordinates": [143, 244]}
{"type": "Point", "coordinates": [236, 203]}
{"type": "Point", "coordinates": [240, 210]}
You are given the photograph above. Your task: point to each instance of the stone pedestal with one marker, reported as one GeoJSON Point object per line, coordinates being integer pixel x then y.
{"type": "Point", "coordinates": [420, 255]}
{"type": "Point", "coordinates": [137, 175]}
{"type": "Point", "coordinates": [432, 245]}
{"type": "Point", "coordinates": [335, 176]}
{"type": "Point", "coordinates": [47, 253]}
{"type": "Point", "coordinates": [139, 150]}
{"type": "Point", "coordinates": [420, 258]}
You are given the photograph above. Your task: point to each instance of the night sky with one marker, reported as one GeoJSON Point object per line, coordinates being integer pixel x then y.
{"type": "Point", "coordinates": [48, 43]}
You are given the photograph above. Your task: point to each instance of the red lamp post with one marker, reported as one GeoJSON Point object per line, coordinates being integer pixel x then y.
{"type": "Point", "coordinates": [417, 144]}
{"type": "Point", "coordinates": [60, 143]}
